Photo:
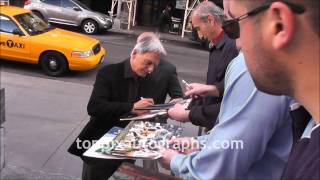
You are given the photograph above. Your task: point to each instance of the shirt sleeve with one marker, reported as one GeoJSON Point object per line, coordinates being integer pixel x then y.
{"type": "Point", "coordinates": [220, 87]}
{"type": "Point", "coordinates": [204, 115]}
{"type": "Point", "coordinates": [231, 53]}
{"type": "Point", "coordinates": [247, 121]}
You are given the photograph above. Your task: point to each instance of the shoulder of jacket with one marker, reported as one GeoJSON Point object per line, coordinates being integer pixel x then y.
{"type": "Point", "coordinates": [167, 65]}
{"type": "Point", "coordinates": [110, 71]}
{"type": "Point", "coordinates": [111, 67]}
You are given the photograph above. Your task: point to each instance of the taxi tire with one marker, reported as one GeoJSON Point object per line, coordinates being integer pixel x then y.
{"type": "Point", "coordinates": [90, 22]}
{"type": "Point", "coordinates": [60, 61]}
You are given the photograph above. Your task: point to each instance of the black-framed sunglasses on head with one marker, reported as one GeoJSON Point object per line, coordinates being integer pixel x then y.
{"type": "Point", "coordinates": [232, 28]}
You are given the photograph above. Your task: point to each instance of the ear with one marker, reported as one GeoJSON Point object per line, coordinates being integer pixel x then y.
{"type": "Point", "coordinates": [211, 20]}
{"type": "Point", "coordinates": [283, 23]}
{"type": "Point", "coordinates": [134, 53]}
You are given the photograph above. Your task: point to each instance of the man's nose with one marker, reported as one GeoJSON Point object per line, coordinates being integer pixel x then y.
{"type": "Point", "coordinates": [200, 35]}
{"type": "Point", "coordinates": [151, 68]}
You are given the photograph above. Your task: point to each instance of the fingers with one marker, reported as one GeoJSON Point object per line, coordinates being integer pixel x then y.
{"type": "Point", "coordinates": [176, 100]}
{"type": "Point", "coordinates": [144, 102]}
{"type": "Point", "coordinates": [193, 88]}
{"type": "Point", "coordinates": [178, 113]}
{"type": "Point", "coordinates": [199, 89]}
{"type": "Point", "coordinates": [148, 101]}
{"type": "Point", "coordinates": [189, 87]}
{"type": "Point", "coordinates": [190, 92]}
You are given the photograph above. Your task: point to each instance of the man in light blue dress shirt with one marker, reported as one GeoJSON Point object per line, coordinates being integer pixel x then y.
{"type": "Point", "coordinates": [259, 123]}
{"type": "Point", "coordinates": [281, 41]}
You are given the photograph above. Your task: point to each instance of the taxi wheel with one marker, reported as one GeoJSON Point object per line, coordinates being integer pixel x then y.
{"type": "Point", "coordinates": [89, 27]}
{"type": "Point", "coordinates": [53, 64]}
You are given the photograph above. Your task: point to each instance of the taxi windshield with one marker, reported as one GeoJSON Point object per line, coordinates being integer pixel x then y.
{"type": "Point", "coordinates": [32, 23]}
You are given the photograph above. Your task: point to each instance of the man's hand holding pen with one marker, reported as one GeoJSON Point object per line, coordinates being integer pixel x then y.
{"type": "Point", "coordinates": [202, 90]}
{"type": "Point", "coordinates": [142, 103]}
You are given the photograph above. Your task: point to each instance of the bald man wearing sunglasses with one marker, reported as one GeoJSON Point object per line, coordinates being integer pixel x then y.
{"type": "Point", "coordinates": [280, 41]}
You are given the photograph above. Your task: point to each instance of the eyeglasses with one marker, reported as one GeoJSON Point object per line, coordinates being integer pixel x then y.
{"type": "Point", "coordinates": [232, 28]}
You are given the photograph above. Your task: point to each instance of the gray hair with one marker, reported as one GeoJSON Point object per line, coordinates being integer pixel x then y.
{"type": "Point", "coordinates": [150, 44]}
{"type": "Point", "coordinates": [206, 8]}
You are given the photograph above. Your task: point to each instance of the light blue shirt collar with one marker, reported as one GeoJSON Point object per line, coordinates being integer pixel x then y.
{"type": "Point", "coordinates": [308, 130]}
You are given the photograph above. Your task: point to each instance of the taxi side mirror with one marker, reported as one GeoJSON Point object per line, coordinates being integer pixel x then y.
{"type": "Point", "coordinates": [17, 32]}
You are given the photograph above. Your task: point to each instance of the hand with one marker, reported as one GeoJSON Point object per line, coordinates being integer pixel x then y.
{"type": "Point", "coordinates": [178, 113]}
{"type": "Point", "coordinates": [175, 100]}
{"type": "Point", "coordinates": [168, 155]}
{"type": "Point", "coordinates": [185, 145]}
{"type": "Point", "coordinates": [144, 102]}
{"type": "Point", "coordinates": [202, 90]}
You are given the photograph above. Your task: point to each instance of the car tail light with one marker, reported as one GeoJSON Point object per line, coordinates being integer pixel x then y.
{"type": "Point", "coordinates": [27, 2]}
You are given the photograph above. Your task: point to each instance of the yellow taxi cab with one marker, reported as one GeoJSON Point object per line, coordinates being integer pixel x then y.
{"type": "Point", "coordinates": [26, 38]}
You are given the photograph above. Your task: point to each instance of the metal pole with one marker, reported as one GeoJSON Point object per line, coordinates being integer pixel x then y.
{"type": "Point", "coordinates": [130, 11]}
{"type": "Point", "coordinates": [134, 13]}
{"type": "Point", "coordinates": [114, 2]}
{"type": "Point", "coordinates": [119, 9]}
{"type": "Point", "coordinates": [185, 18]}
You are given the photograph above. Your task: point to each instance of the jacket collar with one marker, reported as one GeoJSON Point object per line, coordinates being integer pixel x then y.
{"type": "Point", "coordinates": [128, 72]}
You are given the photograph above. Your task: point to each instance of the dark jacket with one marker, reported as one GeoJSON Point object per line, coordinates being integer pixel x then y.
{"type": "Point", "coordinates": [304, 159]}
{"type": "Point", "coordinates": [220, 57]}
{"type": "Point", "coordinates": [109, 98]}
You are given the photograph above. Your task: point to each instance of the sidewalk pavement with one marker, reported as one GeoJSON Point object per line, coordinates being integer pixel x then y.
{"type": "Point", "coordinates": [137, 30]}
{"type": "Point", "coordinates": [43, 117]}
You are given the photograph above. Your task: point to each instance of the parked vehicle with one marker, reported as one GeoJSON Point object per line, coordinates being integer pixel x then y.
{"type": "Point", "coordinates": [70, 12]}
{"type": "Point", "coordinates": [27, 38]}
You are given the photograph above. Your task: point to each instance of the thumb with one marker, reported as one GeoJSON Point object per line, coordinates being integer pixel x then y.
{"type": "Point", "coordinates": [189, 92]}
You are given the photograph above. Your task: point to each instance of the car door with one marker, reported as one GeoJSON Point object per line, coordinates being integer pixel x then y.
{"type": "Point", "coordinates": [53, 9]}
{"type": "Point", "coordinates": [13, 47]}
{"type": "Point", "coordinates": [71, 12]}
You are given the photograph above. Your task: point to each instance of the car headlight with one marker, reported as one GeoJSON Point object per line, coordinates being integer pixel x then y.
{"type": "Point", "coordinates": [103, 18]}
{"type": "Point", "coordinates": [82, 54]}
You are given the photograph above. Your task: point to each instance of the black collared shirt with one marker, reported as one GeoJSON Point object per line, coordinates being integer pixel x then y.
{"type": "Point", "coordinates": [304, 159]}
{"type": "Point", "coordinates": [134, 82]}
{"type": "Point", "coordinates": [220, 56]}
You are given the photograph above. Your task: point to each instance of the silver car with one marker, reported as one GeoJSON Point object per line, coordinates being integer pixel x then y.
{"type": "Point", "coordinates": [70, 12]}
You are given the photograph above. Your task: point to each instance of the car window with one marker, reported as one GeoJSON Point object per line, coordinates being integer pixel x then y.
{"type": "Point", "coordinates": [83, 6]}
{"type": "Point", "coordinates": [32, 23]}
{"type": "Point", "coordinates": [52, 2]}
{"type": "Point", "coordinates": [68, 4]}
{"type": "Point", "coordinates": [7, 25]}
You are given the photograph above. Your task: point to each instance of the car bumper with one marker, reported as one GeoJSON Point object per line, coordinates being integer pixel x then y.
{"type": "Point", "coordinates": [105, 25]}
{"type": "Point", "coordinates": [85, 64]}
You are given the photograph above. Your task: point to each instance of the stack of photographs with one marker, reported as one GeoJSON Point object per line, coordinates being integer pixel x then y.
{"type": "Point", "coordinates": [142, 140]}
